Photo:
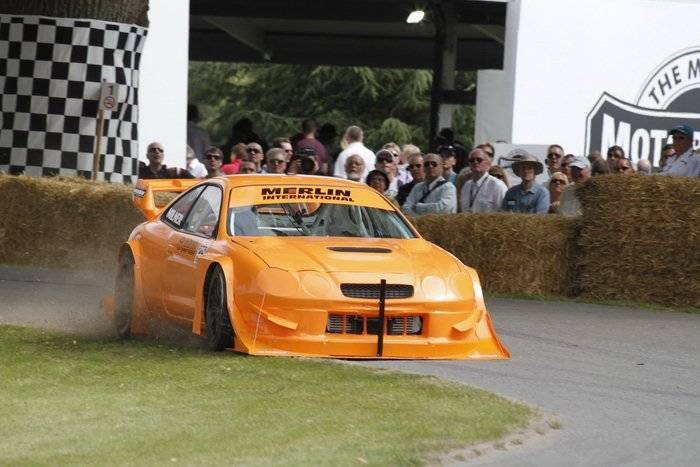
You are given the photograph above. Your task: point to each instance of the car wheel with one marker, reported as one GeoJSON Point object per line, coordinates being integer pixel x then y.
{"type": "Point", "coordinates": [218, 324]}
{"type": "Point", "coordinates": [124, 295]}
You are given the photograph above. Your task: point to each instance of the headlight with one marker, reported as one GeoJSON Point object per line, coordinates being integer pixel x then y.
{"type": "Point", "coordinates": [279, 282]}
{"type": "Point", "coordinates": [434, 288]}
{"type": "Point", "coordinates": [315, 284]}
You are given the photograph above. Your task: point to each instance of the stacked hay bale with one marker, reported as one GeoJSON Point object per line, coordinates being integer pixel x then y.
{"type": "Point", "coordinates": [639, 239]}
{"type": "Point", "coordinates": [513, 253]}
{"type": "Point", "coordinates": [63, 223]}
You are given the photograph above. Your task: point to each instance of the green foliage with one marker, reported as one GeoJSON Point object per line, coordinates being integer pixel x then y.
{"type": "Point", "coordinates": [391, 105]}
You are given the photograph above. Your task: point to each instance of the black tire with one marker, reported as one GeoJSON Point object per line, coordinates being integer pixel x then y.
{"type": "Point", "coordinates": [218, 324]}
{"type": "Point", "coordinates": [124, 295]}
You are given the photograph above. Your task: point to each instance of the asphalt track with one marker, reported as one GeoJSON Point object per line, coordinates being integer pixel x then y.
{"type": "Point", "coordinates": [625, 383]}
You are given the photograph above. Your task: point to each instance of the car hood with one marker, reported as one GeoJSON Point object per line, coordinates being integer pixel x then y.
{"type": "Point", "coordinates": [354, 255]}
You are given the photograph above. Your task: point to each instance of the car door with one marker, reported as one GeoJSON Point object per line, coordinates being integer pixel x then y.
{"type": "Point", "coordinates": [192, 239]}
{"type": "Point", "coordinates": [157, 241]}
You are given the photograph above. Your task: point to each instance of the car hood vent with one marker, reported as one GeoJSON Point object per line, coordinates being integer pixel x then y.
{"type": "Point", "coordinates": [359, 249]}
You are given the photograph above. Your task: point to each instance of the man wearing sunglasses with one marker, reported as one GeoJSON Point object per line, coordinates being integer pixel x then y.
{"type": "Point", "coordinates": [155, 168]}
{"type": "Point", "coordinates": [434, 194]}
{"type": "Point", "coordinates": [482, 192]}
{"type": "Point", "coordinates": [254, 153]}
{"type": "Point", "coordinates": [213, 160]}
{"type": "Point", "coordinates": [684, 163]}
{"type": "Point", "coordinates": [275, 161]}
{"type": "Point", "coordinates": [415, 168]}
{"type": "Point", "coordinates": [555, 154]}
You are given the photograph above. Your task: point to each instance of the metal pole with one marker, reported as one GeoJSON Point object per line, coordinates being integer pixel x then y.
{"type": "Point", "coordinates": [98, 144]}
{"type": "Point", "coordinates": [382, 299]}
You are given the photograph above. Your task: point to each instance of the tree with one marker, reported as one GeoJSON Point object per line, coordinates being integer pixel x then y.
{"type": "Point", "coordinates": [391, 105]}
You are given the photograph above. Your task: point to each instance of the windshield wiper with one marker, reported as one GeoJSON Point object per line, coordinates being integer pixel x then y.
{"type": "Point", "coordinates": [297, 219]}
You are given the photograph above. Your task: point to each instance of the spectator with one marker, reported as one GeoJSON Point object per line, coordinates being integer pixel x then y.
{"type": "Point", "coordinates": [685, 163]}
{"type": "Point", "coordinates": [386, 162]}
{"type": "Point", "coordinates": [254, 153]}
{"type": "Point", "coordinates": [557, 183]}
{"type": "Point", "coordinates": [308, 140]}
{"type": "Point", "coordinates": [449, 159]}
{"type": "Point", "coordinates": [237, 155]}
{"type": "Point", "coordinates": [459, 151]}
{"type": "Point", "coordinates": [615, 153]}
{"type": "Point", "coordinates": [600, 167]}
{"type": "Point", "coordinates": [666, 152]}
{"type": "Point", "coordinates": [213, 160]}
{"type": "Point", "coordinates": [197, 138]}
{"type": "Point", "coordinates": [275, 161]}
{"type": "Point", "coordinates": [326, 136]}
{"type": "Point", "coordinates": [498, 172]}
{"type": "Point", "coordinates": [555, 153]}
{"type": "Point", "coordinates": [594, 156]}
{"type": "Point", "coordinates": [624, 166]}
{"type": "Point", "coordinates": [242, 132]}
{"type": "Point", "coordinates": [488, 149]}
{"type": "Point", "coordinates": [354, 168]}
{"type": "Point", "coordinates": [407, 151]}
{"type": "Point", "coordinates": [378, 180]}
{"type": "Point", "coordinates": [528, 196]}
{"type": "Point", "coordinates": [303, 162]}
{"type": "Point", "coordinates": [565, 165]}
{"type": "Point", "coordinates": [354, 136]}
{"type": "Point", "coordinates": [483, 192]}
{"type": "Point", "coordinates": [415, 167]}
{"type": "Point", "coordinates": [644, 167]}
{"type": "Point", "coordinates": [434, 194]}
{"type": "Point", "coordinates": [569, 205]}
{"type": "Point", "coordinates": [247, 167]}
{"type": "Point", "coordinates": [286, 145]}
{"type": "Point", "coordinates": [155, 168]}
{"type": "Point", "coordinates": [194, 167]}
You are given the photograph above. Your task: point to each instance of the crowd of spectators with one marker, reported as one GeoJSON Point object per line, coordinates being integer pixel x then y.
{"type": "Point", "coordinates": [446, 179]}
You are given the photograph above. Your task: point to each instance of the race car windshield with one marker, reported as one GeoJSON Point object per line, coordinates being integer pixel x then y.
{"type": "Point", "coordinates": [316, 220]}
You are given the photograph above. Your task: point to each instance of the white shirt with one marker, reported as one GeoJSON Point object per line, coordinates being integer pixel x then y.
{"type": "Point", "coordinates": [484, 195]}
{"type": "Point", "coordinates": [440, 199]}
{"type": "Point", "coordinates": [685, 165]}
{"type": "Point", "coordinates": [356, 148]}
{"type": "Point", "coordinates": [197, 169]}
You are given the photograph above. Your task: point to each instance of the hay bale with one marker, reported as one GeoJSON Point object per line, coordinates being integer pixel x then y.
{"type": "Point", "coordinates": [59, 222]}
{"type": "Point", "coordinates": [513, 253]}
{"type": "Point", "coordinates": [639, 239]}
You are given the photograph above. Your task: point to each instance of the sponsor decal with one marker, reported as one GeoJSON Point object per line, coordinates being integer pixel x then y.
{"type": "Point", "coordinates": [139, 192]}
{"type": "Point", "coordinates": [306, 193]}
{"type": "Point", "coordinates": [174, 216]}
{"type": "Point", "coordinates": [670, 96]}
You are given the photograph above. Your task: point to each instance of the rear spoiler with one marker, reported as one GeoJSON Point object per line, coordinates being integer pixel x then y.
{"type": "Point", "coordinates": [143, 194]}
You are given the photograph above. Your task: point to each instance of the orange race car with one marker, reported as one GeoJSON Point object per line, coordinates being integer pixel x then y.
{"type": "Point", "coordinates": [297, 265]}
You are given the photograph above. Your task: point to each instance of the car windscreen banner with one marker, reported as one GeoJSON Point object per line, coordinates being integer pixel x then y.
{"type": "Point", "coordinates": [256, 195]}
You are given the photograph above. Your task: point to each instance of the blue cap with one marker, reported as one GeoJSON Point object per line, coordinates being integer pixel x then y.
{"type": "Point", "coordinates": [683, 129]}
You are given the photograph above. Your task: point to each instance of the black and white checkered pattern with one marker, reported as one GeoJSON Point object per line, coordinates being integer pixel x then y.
{"type": "Point", "coordinates": [51, 70]}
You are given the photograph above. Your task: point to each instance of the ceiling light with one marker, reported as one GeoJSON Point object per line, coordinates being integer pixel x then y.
{"type": "Point", "coordinates": [415, 17]}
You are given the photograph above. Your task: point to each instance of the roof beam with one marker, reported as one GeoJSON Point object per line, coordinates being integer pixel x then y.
{"type": "Point", "coordinates": [364, 11]}
{"type": "Point", "coordinates": [244, 32]}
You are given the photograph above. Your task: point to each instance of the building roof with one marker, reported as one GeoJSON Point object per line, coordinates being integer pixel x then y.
{"type": "Point", "coordinates": [352, 33]}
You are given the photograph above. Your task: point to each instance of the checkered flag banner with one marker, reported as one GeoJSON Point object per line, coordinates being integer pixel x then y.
{"type": "Point", "coordinates": [51, 74]}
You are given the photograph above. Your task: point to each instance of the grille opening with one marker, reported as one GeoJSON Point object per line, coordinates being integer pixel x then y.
{"type": "Point", "coordinates": [359, 325]}
{"type": "Point", "coordinates": [372, 290]}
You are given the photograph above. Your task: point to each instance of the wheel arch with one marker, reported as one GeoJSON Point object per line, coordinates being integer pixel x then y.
{"type": "Point", "coordinates": [206, 268]}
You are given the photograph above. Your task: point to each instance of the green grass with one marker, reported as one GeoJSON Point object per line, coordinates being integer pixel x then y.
{"type": "Point", "coordinates": [72, 401]}
{"type": "Point", "coordinates": [618, 303]}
